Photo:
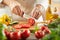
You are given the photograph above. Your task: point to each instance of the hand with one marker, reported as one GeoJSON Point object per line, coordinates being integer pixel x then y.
{"type": "Point", "coordinates": [16, 10]}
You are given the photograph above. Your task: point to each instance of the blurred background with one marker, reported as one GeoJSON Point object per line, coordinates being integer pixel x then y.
{"type": "Point", "coordinates": [55, 3]}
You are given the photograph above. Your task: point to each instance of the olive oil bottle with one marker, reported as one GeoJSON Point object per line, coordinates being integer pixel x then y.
{"type": "Point", "coordinates": [49, 15]}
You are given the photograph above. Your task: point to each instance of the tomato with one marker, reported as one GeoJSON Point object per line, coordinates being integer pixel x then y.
{"type": "Point", "coordinates": [25, 25]}
{"type": "Point", "coordinates": [39, 34]}
{"type": "Point", "coordinates": [25, 34]}
{"type": "Point", "coordinates": [11, 35]}
{"type": "Point", "coordinates": [43, 28]}
{"type": "Point", "coordinates": [31, 21]}
{"type": "Point", "coordinates": [19, 26]}
{"type": "Point", "coordinates": [15, 35]}
{"type": "Point", "coordinates": [7, 34]}
{"type": "Point", "coordinates": [47, 31]}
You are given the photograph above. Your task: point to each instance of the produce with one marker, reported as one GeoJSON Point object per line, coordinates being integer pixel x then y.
{"type": "Point", "coordinates": [45, 29]}
{"type": "Point", "coordinates": [7, 34]}
{"type": "Point", "coordinates": [2, 36]}
{"type": "Point", "coordinates": [19, 26]}
{"type": "Point", "coordinates": [53, 36]}
{"type": "Point", "coordinates": [35, 29]}
{"type": "Point", "coordinates": [17, 35]}
{"type": "Point", "coordinates": [31, 21]}
{"type": "Point", "coordinates": [25, 25]}
{"type": "Point", "coordinates": [54, 23]}
{"type": "Point", "coordinates": [39, 34]}
{"type": "Point", "coordinates": [25, 34]}
{"type": "Point", "coordinates": [54, 27]}
{"type": "Point", "coordinates": [13, 35]}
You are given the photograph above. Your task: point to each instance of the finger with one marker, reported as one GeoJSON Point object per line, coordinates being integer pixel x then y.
{"type": "Point", "coordinates": [20, 13]}
{"type": "Point", "coordinates": [36, 15]}
{"type": "Point", "coordinates": [15, 11]}
{"type": "Point", "coordinates": [18, 10]}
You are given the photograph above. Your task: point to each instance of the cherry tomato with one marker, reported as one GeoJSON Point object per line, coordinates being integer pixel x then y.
{"type": "Point", "coordinates": [15, 35]}
{"type": "Point", "coordinates": [43, 28]}
{"type": "Point", "coordinates": [25, 34]}
{"type": "Point", "coordinates": [39, 34]}
{"type": "Point", "coordinates": [47, 31]}
{"type": "Point", "coordinates": [7, 34]}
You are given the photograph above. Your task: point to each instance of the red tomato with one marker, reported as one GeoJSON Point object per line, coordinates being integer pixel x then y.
{"type": "Point", "coordinates": [25, 25]}
{"type": "Point", "coordinates": [19, 34]}
{"type": "Point", "coordinates": [47, 31]}
{"type": "Point", "coordinates": [43, 28]}
{"type": "Point", "coordinates": [11, 35]}
{"type": "Point", "coordinates": [31, 21]}
{"type": "Point", "coordinates": [15, 35]}
{"type": "Point", "coordinates": [7, 34]}
{"type": "Point", "coordinates": [19, 26]}
{"type": "Point", "coordinates": [39, 34]}
{"type": "Point", "coordinates": [25, 34]}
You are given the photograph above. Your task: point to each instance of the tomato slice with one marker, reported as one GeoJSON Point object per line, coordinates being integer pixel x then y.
{"type": "Point", "coordinates": [19, 26]}
{"type": "Point", "coordinates": [31, 21]}
{"type": "Point", "coordinates": [25, 26]}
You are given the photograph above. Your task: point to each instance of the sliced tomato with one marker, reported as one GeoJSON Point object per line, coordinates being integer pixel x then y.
{"type": "Point", "coordinates": [31, 21]}
{"type": "Point", "coordinates": [25, 25]}
{"type": "Point", "coordinates": [39, 34]}
{"type": "Point", "coordinates": [19, 26]}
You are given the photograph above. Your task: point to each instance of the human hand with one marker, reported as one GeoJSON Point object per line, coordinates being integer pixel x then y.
{"type": "Point", "coordinates": [16, 10]}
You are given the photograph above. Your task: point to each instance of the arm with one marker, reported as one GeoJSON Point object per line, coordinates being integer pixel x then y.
{"type": "Point", "coordinates": [10, 3]}
{"type": "Point", "coordinates": [15, 7]}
